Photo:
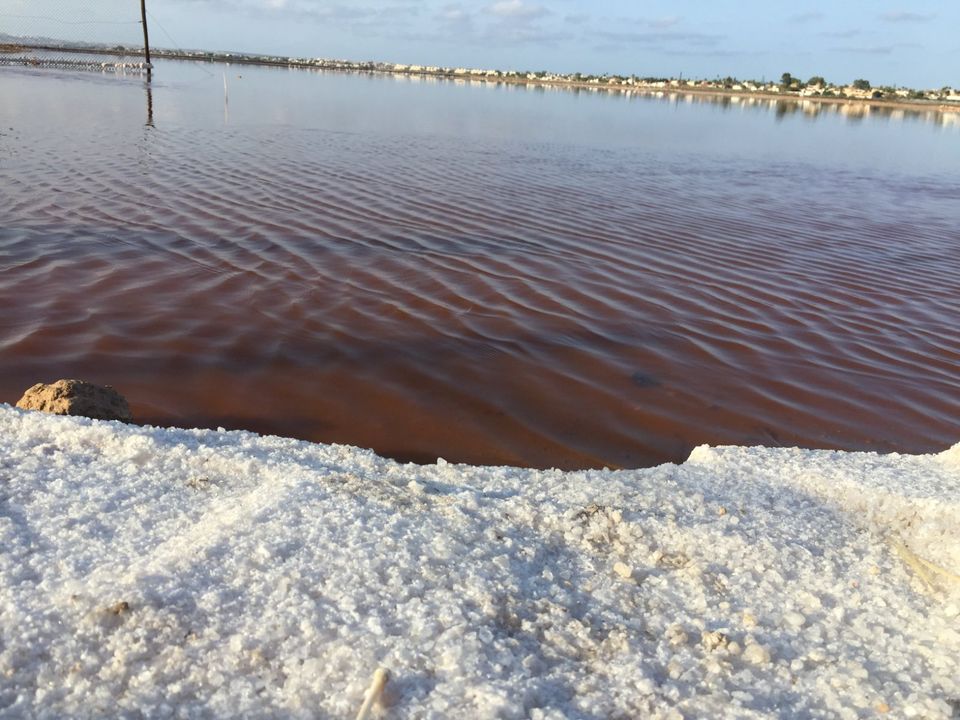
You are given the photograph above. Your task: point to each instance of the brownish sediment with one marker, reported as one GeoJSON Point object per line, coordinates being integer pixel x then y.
{"type": "Point", "coordinates": [75, 397]}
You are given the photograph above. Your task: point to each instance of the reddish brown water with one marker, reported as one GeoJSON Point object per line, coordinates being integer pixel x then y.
{"type": "Point", "coordinates": [438, 271]}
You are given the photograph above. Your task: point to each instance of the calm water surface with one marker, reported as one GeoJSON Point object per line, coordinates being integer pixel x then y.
{"type": "Point", "coordinates": [487, 274]}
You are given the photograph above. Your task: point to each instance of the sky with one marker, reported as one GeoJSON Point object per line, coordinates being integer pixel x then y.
{"type": "Point", "coordinates": [902, 42]}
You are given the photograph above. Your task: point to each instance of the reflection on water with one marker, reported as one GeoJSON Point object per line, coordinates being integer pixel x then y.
{"type": "Point", "coordinates": [148, 88]}
{"type": "Point", "coordinates": [812, 109]}
{"type": "Point", "coordinates": [780, 107]}
{"type": "Point", "coordinates": [490, 275]}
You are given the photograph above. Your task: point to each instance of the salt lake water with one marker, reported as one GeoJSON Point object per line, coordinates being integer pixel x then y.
{"type": "Point", "coordinates": [486, 273]}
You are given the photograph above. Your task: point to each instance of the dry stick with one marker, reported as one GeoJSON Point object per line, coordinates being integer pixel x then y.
{"type": "Point", "coordinates": [373, 694]}
{"type": "Point", "coordinates": [952, 577]}
{"type": "Point", "coordinates": [922, 567]}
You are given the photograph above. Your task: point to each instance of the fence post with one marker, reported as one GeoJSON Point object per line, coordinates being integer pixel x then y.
{"type": "Point", "coordinates": [146, 36]}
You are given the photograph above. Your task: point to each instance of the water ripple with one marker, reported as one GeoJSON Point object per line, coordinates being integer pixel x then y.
{"type": "Point", "coordinates": [544, 305]}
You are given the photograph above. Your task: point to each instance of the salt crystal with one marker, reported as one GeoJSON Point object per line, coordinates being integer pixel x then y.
{"type": "Point", "coordinates": [713, 640]}
{"type": "Point", "coordinates": [756, 654]}
{"type": "Point", "coordinates": [676, 635]}
{"type": "Point", "coordinates": [794, 619]}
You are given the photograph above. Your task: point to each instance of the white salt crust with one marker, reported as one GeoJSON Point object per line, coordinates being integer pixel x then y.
{"type": "Point", "coordinates": [201, 574]}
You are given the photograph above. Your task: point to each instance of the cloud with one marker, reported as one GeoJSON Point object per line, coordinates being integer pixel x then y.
{"type": "Point", "coordinates": [658, 23]}
{"type": "Point", "coordinates": [517, 10]}
{"type": "Point", "coordinates": [507, 22]}
{"type": "Point", "coordinates": [869, 50]}
{"type": "Point", "coordinates": [840, 34]}
{"type": "Point", "coordinates": [517, 22]}
{"type": "Point", "coordinates": [334, 12]}
{"type": "Point", "coordinates": [716, 52]}
{"type": "Point", "coordinates": [528, 35]}
{"type": "Point", "coordinates": [905, 16]}
{"type": "Point", "coordinates": [806, 17]}
{"type": "Point", "coordinates": [452, 12]}
{"type": "Point", "coordinates": [663, 23]}
{"type": "Point", "coordinates": [659, 38]}
{"type": "Point", "coordinates": [453, 19]}
{"type": "Point", "coordinates": [576, 19]}
{"type": "Point", "coordinates": [875, 49]}
{"type": "Point", "coordinates": [318, 10]}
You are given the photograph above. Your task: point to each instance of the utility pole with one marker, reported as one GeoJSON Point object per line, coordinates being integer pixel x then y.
{"type": "Point", "coordinates": [146, 36]}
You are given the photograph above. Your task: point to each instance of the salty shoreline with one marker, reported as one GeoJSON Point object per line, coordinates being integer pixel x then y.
{"type": "Point", "coordinates": [223, 573]}
{"type": "Point", "coordinates": [638, 89]}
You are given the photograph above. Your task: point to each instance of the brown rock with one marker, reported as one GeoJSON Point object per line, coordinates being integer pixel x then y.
{"type": "Point", "coordinates": [75, 397]}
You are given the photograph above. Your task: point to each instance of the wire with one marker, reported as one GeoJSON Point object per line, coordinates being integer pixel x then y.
{"type": "Point", "coordinates": [153, 19]}
{"type": "Point", "coordinates": [72, 22]}
{"type": "Point", "coordinates": [176, 45]}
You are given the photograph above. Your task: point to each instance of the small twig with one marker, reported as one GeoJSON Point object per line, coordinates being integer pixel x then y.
{"type": "Point", "coordinates": [927, 570]}
{"type": "Point", "coordinates": [952, 577]}
{"type": "Point", "coordinates": [373, 694]}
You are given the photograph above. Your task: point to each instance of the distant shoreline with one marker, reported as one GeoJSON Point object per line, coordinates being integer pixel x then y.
{"type": "Point", "coordinates": [913, 105]}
